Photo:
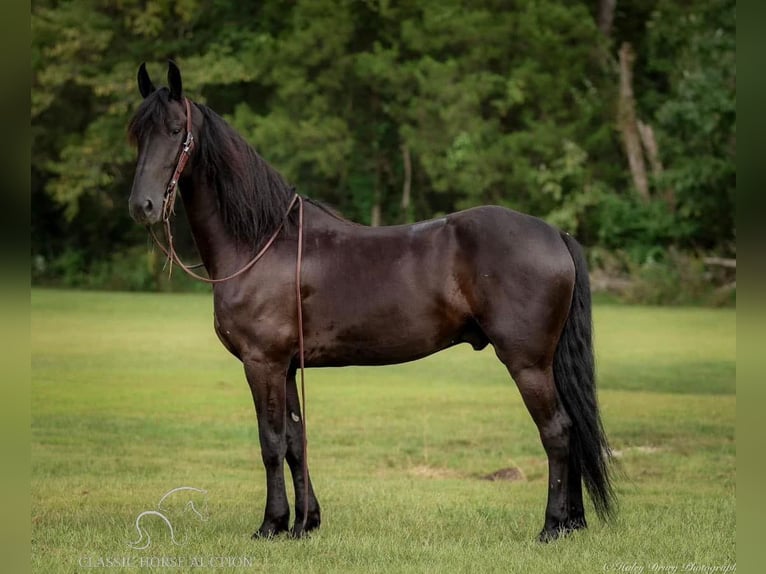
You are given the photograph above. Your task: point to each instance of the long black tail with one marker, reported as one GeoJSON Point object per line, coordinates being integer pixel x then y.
{"type": "Point", "coordinates": [574, 373]}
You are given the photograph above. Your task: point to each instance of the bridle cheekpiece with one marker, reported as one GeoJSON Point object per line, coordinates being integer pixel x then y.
{"type": "Point", "coordinates": [169, 200]}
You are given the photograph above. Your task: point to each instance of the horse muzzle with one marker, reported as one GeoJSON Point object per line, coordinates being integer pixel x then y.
{"type": "Point", "coordinates": [145, 211]}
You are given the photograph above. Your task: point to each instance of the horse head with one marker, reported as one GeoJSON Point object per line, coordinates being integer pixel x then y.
{"type": "Point", "coordinates": [162, 129]}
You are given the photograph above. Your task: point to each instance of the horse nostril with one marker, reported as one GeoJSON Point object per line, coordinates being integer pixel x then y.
{"type": "Point", "coordinates": [148, 206]}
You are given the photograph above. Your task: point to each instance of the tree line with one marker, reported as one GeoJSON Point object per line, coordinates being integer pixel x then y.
{"type": "Point", "coordinates": [613, 119]}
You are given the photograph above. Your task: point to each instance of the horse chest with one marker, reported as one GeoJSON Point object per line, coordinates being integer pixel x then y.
{"type": "Point", "coordinates": [227, 338]}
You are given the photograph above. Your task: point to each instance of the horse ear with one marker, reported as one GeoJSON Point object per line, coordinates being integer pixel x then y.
{"type": "Point", "coordinates": [174, 81]}
{"type": "Point", "coordinates": [145, 85]}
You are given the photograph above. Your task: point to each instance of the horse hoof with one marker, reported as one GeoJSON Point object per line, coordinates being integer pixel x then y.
{"type": "Point", "coordinates": [263, 535]}
{"type": "Point", "coordinates": [268, 531]}
{"type": "Point", "coordinates": [576, 523]}
{"type": "Point", "coordinates": [551, 534]}
{"type": "Point", "coordinates": [298, 531]}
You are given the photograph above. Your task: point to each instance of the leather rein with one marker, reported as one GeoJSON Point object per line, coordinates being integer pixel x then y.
{"type": "Point", "coordinates": [168, 210]}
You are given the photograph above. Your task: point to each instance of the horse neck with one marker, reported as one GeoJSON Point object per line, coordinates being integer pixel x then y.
{"type": "Point", "coordinates": [216, 247]}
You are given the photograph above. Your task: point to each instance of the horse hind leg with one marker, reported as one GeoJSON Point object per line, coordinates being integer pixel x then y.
{"type": "Point", "coordinates": [538, 391]}
{"type": "Point", "coordinates": [529, 360]}
{"type": "Point", "coordinates": [576, 506]}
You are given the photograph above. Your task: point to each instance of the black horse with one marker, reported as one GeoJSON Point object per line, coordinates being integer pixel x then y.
{"type": "Point", "coordinates": [375, 296]}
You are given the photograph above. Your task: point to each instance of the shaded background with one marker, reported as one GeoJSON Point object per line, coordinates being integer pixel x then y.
{"type": "Point", "coordinates": [612, 119]}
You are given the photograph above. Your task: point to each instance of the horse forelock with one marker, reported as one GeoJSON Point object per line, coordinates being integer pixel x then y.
{"type": "Point", "coordinates": [152, 112]}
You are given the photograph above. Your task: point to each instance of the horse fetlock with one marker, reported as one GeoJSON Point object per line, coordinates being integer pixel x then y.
{"type": "Point", "coordinates": [313, 521]}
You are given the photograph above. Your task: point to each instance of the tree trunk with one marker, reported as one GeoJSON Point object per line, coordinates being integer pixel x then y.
{"type": "Point", "coordinates": [721, 262]}
{"type": "Point", "coordinates": [606, 16]}
{"type": "Point", "coordinates": [628, 124]}
{"type": "Point", "coordinates": [407, 185]}
{"type": "Point", "coordinates": [653, 155]}
{"type": "Point", "coordinates": [650, 147]}
{"type": "Point", "coordinates": [375, 211]}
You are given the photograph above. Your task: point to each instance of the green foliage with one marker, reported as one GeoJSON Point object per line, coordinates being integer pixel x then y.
{"type": "Point", "coordinates": [568, 186]}
{"type": "Point", "coordinates": [506, 103]}
{"type": "Point", "coordinates": [661, 276]}
{"type": "Point", "coordinates": [134, 269]}
{"type": "Point", "coordinates": [697, 117]}
{"type": "Point", "coordinates": [673, 279]}
{"type": "Point", "coordinates": [642, 229]}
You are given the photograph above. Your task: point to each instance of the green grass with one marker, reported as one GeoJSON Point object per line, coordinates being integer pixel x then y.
{"type": "Point", "coordinates": [132, 395]}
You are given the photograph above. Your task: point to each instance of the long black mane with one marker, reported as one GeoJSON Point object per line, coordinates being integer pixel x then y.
{"type": "Point", "coordinates": [252, 196]}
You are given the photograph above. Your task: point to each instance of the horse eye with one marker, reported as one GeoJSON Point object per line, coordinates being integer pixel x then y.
{"type": "Point", "coordinates": [176, 131]}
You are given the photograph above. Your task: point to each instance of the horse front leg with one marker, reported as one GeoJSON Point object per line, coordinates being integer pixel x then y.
{"type": "Point", "coordinates": [296, 460]}
{"type": "Point", "coordinates": [267, 384]}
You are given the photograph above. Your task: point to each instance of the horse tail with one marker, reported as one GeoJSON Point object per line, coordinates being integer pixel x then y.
{"type": "Point", "coordinates": [575, 378]}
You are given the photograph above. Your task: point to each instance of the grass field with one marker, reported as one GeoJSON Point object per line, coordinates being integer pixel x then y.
{"type": "Point", "coordinates": [133, 395]}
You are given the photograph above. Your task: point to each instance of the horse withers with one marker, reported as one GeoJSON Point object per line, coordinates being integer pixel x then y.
{"type": "Point", "coordinates": [374, 296]}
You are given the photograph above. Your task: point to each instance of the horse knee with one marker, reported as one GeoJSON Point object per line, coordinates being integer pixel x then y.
{"type": "Point", "coordinates": [273, 450]}
{"type": "Point", "coordinates": [270, 459]}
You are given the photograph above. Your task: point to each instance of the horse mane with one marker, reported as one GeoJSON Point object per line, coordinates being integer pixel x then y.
{"type": "Point", "coordinates": [252, 196]}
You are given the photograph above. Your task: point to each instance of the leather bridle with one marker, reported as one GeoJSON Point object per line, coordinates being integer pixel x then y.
{"type": "Point", "coordinates": [169, 200]}
{"type": "Point", "coordinates": [168, 209]}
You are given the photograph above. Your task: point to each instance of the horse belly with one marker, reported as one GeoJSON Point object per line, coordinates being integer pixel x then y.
{"type": "Point", "coordinates": [401, 326]}
{"type": "Point", "coordinates": [353, 347]}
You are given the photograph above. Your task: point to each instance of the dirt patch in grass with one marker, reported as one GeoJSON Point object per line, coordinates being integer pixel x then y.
{"type": "Point", "coordinates": [512, 473]}
{"type": "Point", "coordinates": [644, 449]}
{"type": "Point", "coordinates": [424, 471]}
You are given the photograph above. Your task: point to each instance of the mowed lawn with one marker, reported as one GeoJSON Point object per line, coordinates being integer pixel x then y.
{"type": "Point", "coordinates": [133, 395]}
